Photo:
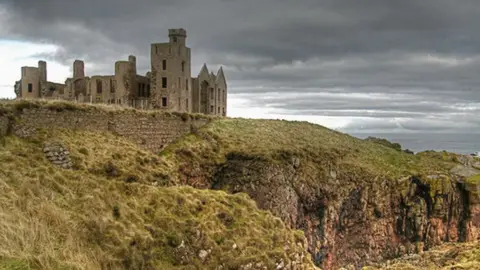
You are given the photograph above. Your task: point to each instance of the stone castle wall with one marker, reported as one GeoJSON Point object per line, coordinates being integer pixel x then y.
{"type": "Point", "coordinates": [168, 86]}
{"type": "Point", "coordinates": [152, 131]}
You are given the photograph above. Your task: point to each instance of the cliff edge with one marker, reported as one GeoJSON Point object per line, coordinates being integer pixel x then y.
{"type": "Point", "coordinates": [357, 201]}
{"type": "Point", "coordinates": [345, 201]}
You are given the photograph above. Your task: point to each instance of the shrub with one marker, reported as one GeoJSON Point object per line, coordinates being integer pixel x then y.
{"type": "Point", "coordinates": [83, 151]}
{"type": "Point", "coordinates": [131, 179]}
{"type": "Point", "coordinates": [111, 169]}
{"type": "Point", "coordinates": [116, 212]}
{"type": "Point", "coordinates": [385, 142]}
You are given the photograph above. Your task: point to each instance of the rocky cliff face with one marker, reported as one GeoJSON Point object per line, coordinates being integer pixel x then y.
{"type": "Point", "coordinates": [353, 221]}
{"type": "Point", "coordinates": [350, 214]}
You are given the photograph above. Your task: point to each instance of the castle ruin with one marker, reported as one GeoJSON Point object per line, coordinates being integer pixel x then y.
{"type": "Point", "coordinates": [167, 86]}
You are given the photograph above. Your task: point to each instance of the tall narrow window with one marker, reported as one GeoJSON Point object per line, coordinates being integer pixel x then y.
{"type": "Point", "coordinates": [164, 101]}
{"type": "Point", "coordinates": [186, 104]}
{"type": "Point", "coordinates": [99, 87]}
{"type": "Point", "coordinates": [30, 88]}
{"type": "Point", "coordinates": [218, 94]}
{"type": "Point", "coordinates": [139, 90]}
{"type": "Point", "coordinates": [175, 39]}
{"type": "Point", "coordinates": [179, 83]}
{"type": "Point", "coordinates": [112, 86]}
{"type": "Point", "coordinates": [212, 94]}
{"type": "Point", "coordinates": [211, 108]}
{"type": "Point", "coordinates": [224, 96]}
{"type": "Point", "coordinates": [186, 84]}
{"type": "Point", "coordinates": [164, 64]}
{"type": "Point", "coordinates": [183, 66]}
{"type": "Point", "coordinates": [164, 82]}
{"type": "Point", "coordinates": [179, 103]}
{"type": "Point", "coordinates": [218, 111]}
{"type": "Point", "coordinates": [156, 50]}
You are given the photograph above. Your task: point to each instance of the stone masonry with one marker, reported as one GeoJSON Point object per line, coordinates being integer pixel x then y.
{"type": "Point", "coordinates": [167, 86]}
{"type": "Point", "coordinates": [57, 154]}
{"type": "Point", "coordinates": [151, 130]}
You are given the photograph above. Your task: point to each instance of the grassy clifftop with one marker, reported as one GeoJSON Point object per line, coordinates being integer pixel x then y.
{"type": "Point", "coordinates": [123, 207]}
{"type": "Point", "coordinates": [107, 213]}
{"type": "Point", "coordinates": [346, 194]}
{"type": "Point", "coordinates": [277, 139]}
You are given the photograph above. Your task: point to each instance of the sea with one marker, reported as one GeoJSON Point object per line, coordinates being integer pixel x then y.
{"type": "Point", "coordinates": [417, 142]}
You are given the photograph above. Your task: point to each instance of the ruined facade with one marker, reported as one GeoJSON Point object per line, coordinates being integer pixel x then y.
{"type": "Point", "coordinates": [169, 85]}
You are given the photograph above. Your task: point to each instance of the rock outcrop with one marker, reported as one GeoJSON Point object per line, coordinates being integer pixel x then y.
{"type": "Point", "coordinates": [58, 155]}
{"type": "Point", "coordinates": [350, 223]}
{"type": "Point", "coordinates": [383, 205]}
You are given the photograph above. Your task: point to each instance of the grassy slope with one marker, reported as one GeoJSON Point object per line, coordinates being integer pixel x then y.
{"type": "Point", "coordinates": [452, 256]}
{"type": "Point", "coordinates": [84, 219]}
{"type": "Point", "coordinates": [276, 139]}
{"type": "Point", "coordinates": [316, 146]}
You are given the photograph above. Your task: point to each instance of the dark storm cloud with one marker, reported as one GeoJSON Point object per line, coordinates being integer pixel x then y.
{"type": "Point", "coordinates": [428, 51]}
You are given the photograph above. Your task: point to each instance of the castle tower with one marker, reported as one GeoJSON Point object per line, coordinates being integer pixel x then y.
{"type": "Point", "coordinates": [78, 69]}
{"type": "Point", "coordinates": [126, 82]}
{"type": "Point", "coordinates": [132, 75]}
{"type": "Point", "coordinates": [133, 61]}
{"type": "Point", "coordinates": [171, 73]}
{"type": "Point", "coordinates": [30, 82]}
{"type": "Point", "coordinates": [42, 66]}
{"type": "Point", "coordinates": [178, 36]}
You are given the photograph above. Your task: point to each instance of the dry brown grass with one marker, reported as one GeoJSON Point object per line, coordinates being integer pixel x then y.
{"type": "Point", "coordinates": [85, 218]}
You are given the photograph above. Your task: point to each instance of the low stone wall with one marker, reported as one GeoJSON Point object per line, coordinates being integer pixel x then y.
{"type": "Point", "coordinates": [151, 130]}
{"type": "Point", "coordinates": [29, 120]}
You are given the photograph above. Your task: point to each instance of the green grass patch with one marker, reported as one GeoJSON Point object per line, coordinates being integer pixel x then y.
{"type": "Point", "coordinates": [13, 264]}
{"type": "Point", "coordinates": [317, 147]}
{"type": "Point", "coordinates": [474, 180]}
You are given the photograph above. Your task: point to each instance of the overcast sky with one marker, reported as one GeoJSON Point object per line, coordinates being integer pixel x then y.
{"type": "Point", "coordinates": [357, 66]}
